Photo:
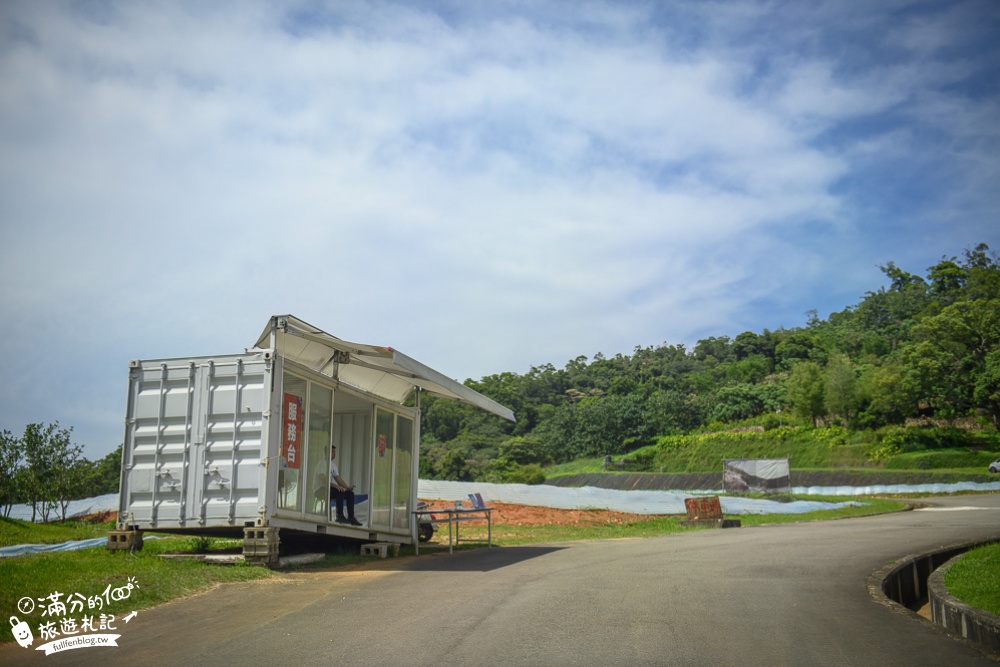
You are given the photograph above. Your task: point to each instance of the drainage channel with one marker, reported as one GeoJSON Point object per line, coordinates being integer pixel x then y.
{"type": "Point", "coordinates": [914, 585]}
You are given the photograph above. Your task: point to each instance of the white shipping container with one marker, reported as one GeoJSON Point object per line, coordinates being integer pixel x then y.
{"type": "Point", "coordinates": [217, 444]}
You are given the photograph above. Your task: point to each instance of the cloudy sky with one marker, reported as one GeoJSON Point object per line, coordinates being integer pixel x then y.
{"type": "Point", "coordinates": [484, 186]}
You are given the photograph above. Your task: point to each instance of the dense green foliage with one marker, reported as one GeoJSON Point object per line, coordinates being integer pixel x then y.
{"type": "Point", "coordinates": [922, 351]}
{"type": "Point", "coordinates": [823, 447]}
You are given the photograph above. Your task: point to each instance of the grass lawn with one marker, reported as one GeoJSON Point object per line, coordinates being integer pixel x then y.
{"type": "Point", "coordinates": [13, 531]}
{"type": "Point", "coordinates": [81, 577]}
{"type": "Point", "coordinates": [975, 578]}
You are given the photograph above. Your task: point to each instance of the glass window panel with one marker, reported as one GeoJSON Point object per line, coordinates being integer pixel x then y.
{"type": "Point", "coordinates": [292, 442]}
{"type": "Point", "coordinates": [382, 490]}
{"type": "Point", "coordinates": [318, 450]}
{"type": "Point", "coordinates": [404, 460]}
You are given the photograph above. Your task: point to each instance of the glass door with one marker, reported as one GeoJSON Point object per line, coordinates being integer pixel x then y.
{"type": "Point", "coordinates": [304, 461]}
{"type": "Point", "coordinates": [381, 509]}
{"type": "Point", "coordinates": [292, 442]}
{"type": "Point", "coordinates": [404, 465]}
{"type": "Point", "coordinates": [317, 484]}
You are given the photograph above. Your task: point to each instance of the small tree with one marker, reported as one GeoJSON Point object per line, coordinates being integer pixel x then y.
{"type": "Point", "coordinates": [11, 452]}
{"type": "Point", "coordinates": [73, 472]}
{"type": "Point", "coordinates": [49, 456]}
{"type": "Point", "coordinates": [889, 395]}
{"type": "Point", "coordinates": [805, 391]}
{"type": "Point", "coordinates": [840, 394]}
{"type": "Point", "coordinates": [74, 479]}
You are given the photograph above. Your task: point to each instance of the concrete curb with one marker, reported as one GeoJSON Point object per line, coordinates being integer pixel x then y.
{"type": "Point", "coordinates": [901, 584]}
{"type": "Point", "coordinates": [957, 617]}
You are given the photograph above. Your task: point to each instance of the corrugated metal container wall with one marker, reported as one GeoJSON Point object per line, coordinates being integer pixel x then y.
{"type": "Point", "coordinates": [194, 439]}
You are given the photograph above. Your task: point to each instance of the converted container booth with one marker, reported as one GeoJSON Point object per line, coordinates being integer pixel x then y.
{"type": "Point", "coordinates": [217, 445]}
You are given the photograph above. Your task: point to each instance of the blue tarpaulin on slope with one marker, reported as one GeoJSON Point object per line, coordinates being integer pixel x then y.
{"type": "Point", "coordinates": [22, 549]}
{"type": "Point", "coordinates": [73, 545]}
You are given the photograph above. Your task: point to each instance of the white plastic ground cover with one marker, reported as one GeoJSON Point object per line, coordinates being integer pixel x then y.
{"type": "Point", "coordinates": [589, 497]}
{"type": "Point", "coordinates": [671, 502]}
{"type": "Point", "coordinates": [586, 497]}
{"type": "Point", "coordinates": [106, 503]}
{"type": "Point", "coordinates": [892, 489]}
{"type": "Point", "coordinates": [76, 508]}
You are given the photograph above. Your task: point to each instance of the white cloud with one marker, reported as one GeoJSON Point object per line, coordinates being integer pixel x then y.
{"type": "Point", "coordinates": [485, 188]}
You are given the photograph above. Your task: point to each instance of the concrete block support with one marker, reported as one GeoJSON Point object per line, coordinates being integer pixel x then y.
{"type": "Point", "coordinates": [124, 540]}
{"type": "Point", "coordinates": [261, 545]}
{"type": "Point", "coordinates": [380, 549]}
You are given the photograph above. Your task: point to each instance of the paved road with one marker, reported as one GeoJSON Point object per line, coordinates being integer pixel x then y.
{"type": "Point", "coordinates": [778, 595]}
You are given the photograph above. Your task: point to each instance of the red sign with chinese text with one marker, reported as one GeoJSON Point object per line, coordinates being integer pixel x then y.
{"type": "Point", "coordinates": [291, 437]}
{"type": "Point", "coordinates": [703, 509]}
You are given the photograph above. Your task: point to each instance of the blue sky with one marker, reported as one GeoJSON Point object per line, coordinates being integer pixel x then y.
{"type": "Point", "coordinates": [484, 186]}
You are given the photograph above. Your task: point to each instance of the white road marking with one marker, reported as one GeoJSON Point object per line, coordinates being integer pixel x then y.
{"type": "Point", "coordinates": [953, 509]}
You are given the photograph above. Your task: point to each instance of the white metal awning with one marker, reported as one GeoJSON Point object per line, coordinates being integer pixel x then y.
{"type": "Point", "coordinates": [382, 371]}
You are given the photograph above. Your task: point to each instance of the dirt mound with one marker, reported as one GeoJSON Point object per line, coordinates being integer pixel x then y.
{"type": "Point", "coordinates": [530, 515]}
{"type": "Point", "coordinates": [98, 517]}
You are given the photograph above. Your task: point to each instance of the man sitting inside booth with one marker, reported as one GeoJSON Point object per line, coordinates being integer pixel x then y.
{"type": "Point", "coordinates": [341, 492]}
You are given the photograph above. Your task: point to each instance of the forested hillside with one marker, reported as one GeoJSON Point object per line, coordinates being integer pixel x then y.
{"type": "Point", "coordinates": [921, 350]}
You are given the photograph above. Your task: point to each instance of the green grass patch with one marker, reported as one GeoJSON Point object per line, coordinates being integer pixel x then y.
{"type": "Point", "coordinates": [13, 531]}
{"type": "Point", "coordinates": [867, 506]}
{"type": "Point", "coordinates": [804, 447]}
{"type": "Point", "coordinates": [807, 448]}
{"type": "Point", "coordinates": [975, 578]}
{"type": "Point", "coordinates": [576, 467]}
{"type": "Point", "coordinates": [955, 459]}
{"type": "Point", "coordinates": [90, 571]}
{"type": "Point", "coordinates": [86, 574]}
